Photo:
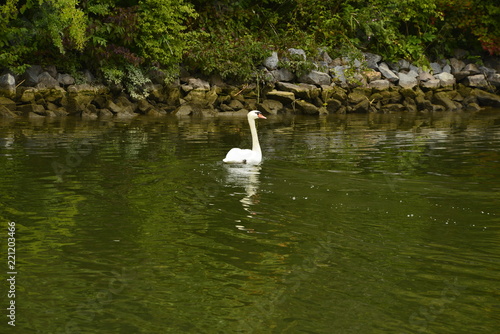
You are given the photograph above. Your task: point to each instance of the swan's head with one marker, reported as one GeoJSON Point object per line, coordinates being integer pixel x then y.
{"type": "Point", "coordinates": [254, 114]}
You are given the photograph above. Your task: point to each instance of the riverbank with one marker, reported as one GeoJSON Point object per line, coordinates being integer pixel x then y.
{"type": "Point", "coordinates": [333, 86]}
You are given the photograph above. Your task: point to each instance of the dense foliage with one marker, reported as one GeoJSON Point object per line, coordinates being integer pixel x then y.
{"type": "Point", "coordinates": [121, 40]}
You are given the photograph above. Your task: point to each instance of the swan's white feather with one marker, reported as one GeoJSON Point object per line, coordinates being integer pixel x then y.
{"type": "Point", "coordinates": [242, 156]}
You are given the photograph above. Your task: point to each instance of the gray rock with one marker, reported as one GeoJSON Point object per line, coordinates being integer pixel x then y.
{"type": "Point", "coordinates": [407, 81]}
{"type": "Point", "coordinates": [478, 80]}
{"type": "Point", "coordinates": [197, 83]}
{"type": "Point", "coordinates": [52, 70]}
{"type": "Point", "coordinates": [404, 65]}
{"type": "Point", "coordinates": [461, 75]}
{"type": "Point", "coordinates": [425, 76]}
{"type": "Point", "coordinates": [88, 77]}
{"type": "Point", "coordinates": [316, 78]}
{"type": "Point", "coordinates": [372, 60]}
{"type": "Point", "coordinates": [325, 57]}
{"type": "Point", "coordinates": [415, 68]}
{"type": "Point", "coordinates": [338, 74]}
{"type": "Point", "coordinates": [283, 74]}
{"type": "Point", "coordinates": [495, 79]}
{"type": "Point", "coordinates": [447, 68]}
{"type": "Point", "coordinates": [387, 73]}
{"type": "Point", "coordinates": [45, 80]}
{"type": "Point", "coordinates": [431, 84]}
{"type": "Point", "coordinates": [412, 73]}
{"type": "Point", "coordinates": [379, 84]}
{"type": "Point", "coordinates": [445, 79]}
{"type": "Point", "coordinates": [271, 62]}
{"type": "Point", "coordinates": [486, 71]}
{"type": "Point", "coordinates": [472, 69]}
{"type": "Point", "coordinates": [456, 65]}
{"type": "Point", "coordinates": [31, 75]}
{"type": "Point", "coordinates": [297, 52]}
{"type": "Point", "coordinates": [436, 68]}
{"type": "Point", "coordinates": [7, 80]}
{"type": "Point", "coordinates": [65, 79]}
{"type": "Point", "coordinates": [8, 85]}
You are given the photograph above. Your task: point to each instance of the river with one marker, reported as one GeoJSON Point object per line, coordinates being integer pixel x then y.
{"type": "Point", "coordinates": [352, 224]}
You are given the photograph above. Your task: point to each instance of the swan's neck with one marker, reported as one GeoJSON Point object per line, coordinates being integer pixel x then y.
{"type": "Point", "coordinates": [255, 138]}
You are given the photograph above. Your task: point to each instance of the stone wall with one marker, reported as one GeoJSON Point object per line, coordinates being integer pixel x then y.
{"type": "Point", "coordinates": [335, 86]}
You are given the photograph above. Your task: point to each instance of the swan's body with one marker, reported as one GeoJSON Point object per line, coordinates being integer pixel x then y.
{"type": "Point", "coordinates": [245, 156]}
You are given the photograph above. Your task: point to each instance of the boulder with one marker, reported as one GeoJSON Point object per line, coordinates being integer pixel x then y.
{"type": "Point", "coordinates": [459, 76]}
{"type": "Point", "coordinates": [30, 76]}
{"type": "Point", "coordinates": [425, 76]}
{"type": "Point", "coordinates": [446, 79]}
{"type": "Point", "coordinates": [6, 112]}
{"type": "Point", "coordinates": [456, 65]}
{"type": "Point", "coordinates": [379, 85]}
{"type": "Point", "coordinates": [436, 68]}
{"type": "Point", "coordinates": [8, 85]}
{"type": "Point", "coordinates": [407, 81]}
{"type": "Point", "coordinates": [27, 109]}
{"type": "Point", "coordinates": [271, 62]}
{"type": "Point", "coordinates": [495, 79]}
{"type": "Point", "coordinates": [297, 52]}
{"type": "Point", "coordinates": [65, 79]}
{"type": "Point", "coordinates": [333, 105]}
{"type": "Point", "coordinates": [372, 60]}
{"type": "Point", "coordinates": [46, 81]}
{"type": "Point", "coordinates": [387, 73]}
{"type": "Point", "coordinates": [27, 94]}
{"type": "Point", "coordinates": [404, 65]}
{"type": "Point", "coordinates": [361, 107]}
{"type": "Point", "coordinates": [7, 103]}
{"type": "Point", "coordinates": [372, 75]}
{"type": "Point", "coordinates": [338, 73]}
{"type": "Point", "coordinates": [423, 103]}
{"type": "Point", "coordinates": [197, 83]}
{"type": "Point", "coordinates": [283, 74]}
{"type": "Point", "coordinates": [486, 99]}
{"type": "Point", "coordinates": [443, 99]}
{"type": "Point", "coordinates": [272, 107]}
{"type": "Point", "coordinates": [316, 78]}
{"type": "Point", "coordinates": [356, 97]}
{"type": "Point", "coordinates": [284, 97]}
{"type": "Point", "coordinates": [306, 107]}
{"type": "Point", "coordinates": [185, 110]}
{"type": "Point", "coordinates": [472, 69]}
{"type": "Point", "coordinates": [410, 105]}
{"type": "Point", "coordinates": [478, 80]}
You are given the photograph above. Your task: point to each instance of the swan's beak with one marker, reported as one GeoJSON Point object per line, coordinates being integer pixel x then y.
{"type": "Point", "coordinates": [262, 116]}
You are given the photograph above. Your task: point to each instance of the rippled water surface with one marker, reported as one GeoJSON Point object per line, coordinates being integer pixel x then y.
{"type": "Point", "coordinates": [352, 224]}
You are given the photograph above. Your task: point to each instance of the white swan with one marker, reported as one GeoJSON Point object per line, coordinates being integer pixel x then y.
{"type": "Point", "coordinates": [253, 156]}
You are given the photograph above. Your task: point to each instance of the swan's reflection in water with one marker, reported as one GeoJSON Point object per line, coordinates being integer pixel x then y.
{"type": "Point", "coordinates": [246, 176]}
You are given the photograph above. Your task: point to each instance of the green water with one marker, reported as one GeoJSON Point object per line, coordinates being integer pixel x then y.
{"type": "Point", "coordinates": [352, 224]}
